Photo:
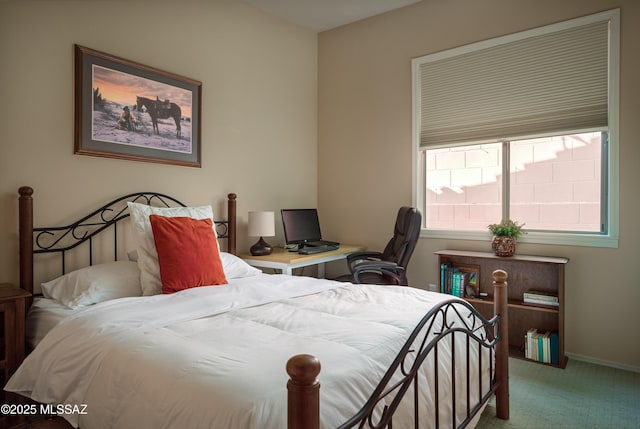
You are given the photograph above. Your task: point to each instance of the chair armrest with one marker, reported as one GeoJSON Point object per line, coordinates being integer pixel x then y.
{"type": "Point", "coordinates": [356, 258]}
{"type": "Point", "coordinates": [364, 254]}
{"type": "Point", "coordinates": [384, 267]}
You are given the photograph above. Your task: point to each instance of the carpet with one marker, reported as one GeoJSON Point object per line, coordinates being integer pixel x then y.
{"type": "Point", "coordinates": [582, 396]}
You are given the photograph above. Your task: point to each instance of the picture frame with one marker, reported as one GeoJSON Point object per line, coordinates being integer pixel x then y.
{"type": "Point", "coordinates": [127, 110]}
{"type": "Point", "coordinates": [474, 277]}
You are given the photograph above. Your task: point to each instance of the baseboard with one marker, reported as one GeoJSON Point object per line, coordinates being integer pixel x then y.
{"type": "Point", "coordinates": [603, 362]}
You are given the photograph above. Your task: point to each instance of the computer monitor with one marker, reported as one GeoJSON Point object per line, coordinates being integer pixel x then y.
{"type": "Point", "coordinates": [300, 226]}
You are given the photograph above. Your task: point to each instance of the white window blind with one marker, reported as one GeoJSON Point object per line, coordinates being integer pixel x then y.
{"type": "Point", "coordinates": [547, 80]}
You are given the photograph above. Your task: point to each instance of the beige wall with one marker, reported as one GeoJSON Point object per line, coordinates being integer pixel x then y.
{"type": "Point", "coordinates": [259, 107]}
{"type": "Point", "coordinates": [365, 151]}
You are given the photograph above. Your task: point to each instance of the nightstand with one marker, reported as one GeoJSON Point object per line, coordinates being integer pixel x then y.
{"type": "Point", "coordinates": [12, 336]}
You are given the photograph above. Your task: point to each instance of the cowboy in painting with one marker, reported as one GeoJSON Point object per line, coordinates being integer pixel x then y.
{"type": "Point", "coordinates": [127, 120]}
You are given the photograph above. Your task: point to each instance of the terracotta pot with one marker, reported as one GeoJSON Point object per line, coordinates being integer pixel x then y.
{"type": "Point", "coordinates": [503, 245]}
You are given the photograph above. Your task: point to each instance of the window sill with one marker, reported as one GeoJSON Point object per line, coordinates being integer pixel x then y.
{"type": "Point", "coordinates": [566, 239]}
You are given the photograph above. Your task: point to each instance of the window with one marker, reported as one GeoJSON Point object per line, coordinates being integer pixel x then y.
{"type": "Point", "coordinates": [521, 127]}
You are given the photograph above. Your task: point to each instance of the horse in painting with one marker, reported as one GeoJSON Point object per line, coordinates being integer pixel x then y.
{"type": "Point", "coordinates": [158, 109]}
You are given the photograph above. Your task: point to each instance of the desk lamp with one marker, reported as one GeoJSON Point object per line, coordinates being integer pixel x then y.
{"type": "Point", "coordinates": [261, 224]}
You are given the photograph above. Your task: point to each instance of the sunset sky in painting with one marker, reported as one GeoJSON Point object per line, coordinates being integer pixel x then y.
{"type": "Point", "coordinates": [123, 88]}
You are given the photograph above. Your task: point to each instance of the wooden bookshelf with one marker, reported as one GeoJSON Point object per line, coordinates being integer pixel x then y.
{"type": "Point", "coordinates": [525, 272]}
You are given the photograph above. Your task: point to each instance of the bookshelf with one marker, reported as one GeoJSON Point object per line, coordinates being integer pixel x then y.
{"type": "Point", "coordinates": [525, 272]}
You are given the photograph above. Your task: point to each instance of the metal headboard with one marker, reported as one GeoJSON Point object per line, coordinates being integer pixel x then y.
{"type": "Point", "coordinates": [60, 239]}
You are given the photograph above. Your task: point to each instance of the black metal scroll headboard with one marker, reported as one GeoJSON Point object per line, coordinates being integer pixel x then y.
{"type": "Point", "coordinates": [60, 239]}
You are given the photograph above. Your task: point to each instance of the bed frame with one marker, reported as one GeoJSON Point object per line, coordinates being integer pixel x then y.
{"type": "Point", "coordinates": [60, 240]}
{"type": "Point", "coordinates": [303, 386]}
{"type": "Point", "coordinates": [440, 324]}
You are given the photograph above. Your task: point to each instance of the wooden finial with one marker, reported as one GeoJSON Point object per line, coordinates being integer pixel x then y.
{"type": "Point", "coordinates": [303, 369]}
{"type": "Point", "coordinates": [25, 191]}
{"type": "Point", "coordinates": [303, 403]}
{"type": "Point", "coordinates": [500, 277]}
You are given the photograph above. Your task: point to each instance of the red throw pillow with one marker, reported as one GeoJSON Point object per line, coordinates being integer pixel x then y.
{"type": "Point", "coordinates": [188, 253]}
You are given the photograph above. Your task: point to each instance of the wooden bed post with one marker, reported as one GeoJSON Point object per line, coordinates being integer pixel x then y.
{"type": "Point", "coordinates": [303, 387]}
{"type": "Point", "coordinates": [500, 307]}
{"type": "Point", "coordinates": [25, 231]}
{"type": "Point", "coordinates": [231, 216]}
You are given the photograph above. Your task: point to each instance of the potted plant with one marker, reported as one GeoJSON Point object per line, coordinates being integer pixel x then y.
{"type": "Point", "coordinates": [505, 234]}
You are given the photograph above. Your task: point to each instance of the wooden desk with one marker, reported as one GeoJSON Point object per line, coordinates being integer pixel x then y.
{"type": "Point", "coordinates": [285, 261]}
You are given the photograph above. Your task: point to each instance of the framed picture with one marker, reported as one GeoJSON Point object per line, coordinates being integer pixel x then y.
{"type": "Point", "coordinates": [474, 278]}
{"type": "Point", "coordinates": [131, 111]}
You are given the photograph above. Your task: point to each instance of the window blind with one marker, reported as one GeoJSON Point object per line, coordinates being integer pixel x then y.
{"type": "Point", "coordinates": [531, 83]}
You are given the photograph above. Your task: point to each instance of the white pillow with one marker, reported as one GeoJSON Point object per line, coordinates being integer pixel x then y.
{"type": "Point", "coordinates": [94, 284]}
{"type": "Point", "coordinates": [147, 255]}
{"type": "Point", "coordinates": [234, 267]}
{"type": "Point", "coordinates": [132, 255]}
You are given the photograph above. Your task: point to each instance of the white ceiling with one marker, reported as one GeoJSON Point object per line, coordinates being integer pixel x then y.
{"type": "Point", "coordinates": [321, 15]}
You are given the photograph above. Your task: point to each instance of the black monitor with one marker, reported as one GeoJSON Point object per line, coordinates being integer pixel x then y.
{"type": "Point", "coordinates": [300, 226]}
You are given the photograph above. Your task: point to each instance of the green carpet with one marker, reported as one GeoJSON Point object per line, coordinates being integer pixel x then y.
{"type": "Point", "coordinates": [582, 396]}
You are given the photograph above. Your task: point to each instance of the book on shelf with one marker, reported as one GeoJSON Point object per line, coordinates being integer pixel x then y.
{"type": "Point", "coordinates": [541, 295]}
{"type": "Point", "coordinates": [528, 349]}
{"type": "Point", "coordinates": [540, 298]}
{"type": "Point", "coordinates": [541, 347]}
{"type": "Point", "coordinates": [553, 344]}
{"type": "Point", "coordinates": [443, 275]}
{"type": "Point", "coordinates": [453, 281]}
{"type": "Point", "coordinates": [540, 302]}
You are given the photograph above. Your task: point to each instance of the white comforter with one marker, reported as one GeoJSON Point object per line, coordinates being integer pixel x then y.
{"type": "Point", "coordinates": [214, 357]}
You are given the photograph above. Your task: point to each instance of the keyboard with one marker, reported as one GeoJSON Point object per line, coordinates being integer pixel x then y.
{"type": "Point", "coordinates": [322, 243]}
{"type": "Point", "coordinates": [318, 249]}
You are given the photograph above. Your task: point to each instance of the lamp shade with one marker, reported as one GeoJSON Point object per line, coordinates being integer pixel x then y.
{"type": "Point", "coordinates": [261, 224]}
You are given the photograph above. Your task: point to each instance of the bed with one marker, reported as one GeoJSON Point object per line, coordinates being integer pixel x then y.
{"type": "Point", "coordinates": [121, 353]}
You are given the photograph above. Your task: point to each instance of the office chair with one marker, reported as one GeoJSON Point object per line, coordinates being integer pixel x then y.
{"type": "Point", "coordinates": [390, 265]}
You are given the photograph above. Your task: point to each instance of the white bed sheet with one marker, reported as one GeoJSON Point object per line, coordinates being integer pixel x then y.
{"type": "Point", "coordinates": [43, 315]}
{"type": "Point", "coordinates": [214, 357]}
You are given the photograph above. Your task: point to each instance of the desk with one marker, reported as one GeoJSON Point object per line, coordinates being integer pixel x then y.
{"type": "Point", "coordinates": [281, 259]}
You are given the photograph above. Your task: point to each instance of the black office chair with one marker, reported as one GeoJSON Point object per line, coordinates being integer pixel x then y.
{"type": "Point", "coordinates": [389, 266]}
